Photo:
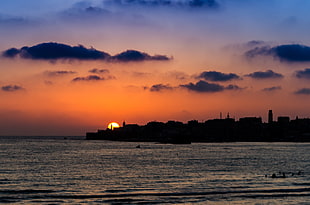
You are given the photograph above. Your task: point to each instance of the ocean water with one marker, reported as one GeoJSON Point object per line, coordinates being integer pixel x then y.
{"type": "Point", "coordinates": [54, 170]}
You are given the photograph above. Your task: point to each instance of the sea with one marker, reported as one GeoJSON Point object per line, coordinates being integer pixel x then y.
{"type": "Point", "coordinates": [72, 170]}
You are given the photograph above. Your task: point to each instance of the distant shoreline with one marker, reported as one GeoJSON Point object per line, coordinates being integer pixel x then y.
{"type": "Point", "coordinates": [83, 138]}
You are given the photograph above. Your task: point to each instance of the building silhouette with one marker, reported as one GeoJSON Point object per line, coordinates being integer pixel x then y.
{"type": "Point", "coordinates": [246, 129]}
{"type": "Point", "coordinates": [270, 116]}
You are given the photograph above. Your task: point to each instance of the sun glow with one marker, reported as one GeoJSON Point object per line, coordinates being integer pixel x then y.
{"type": "Point", "coordinates": [113, 125]}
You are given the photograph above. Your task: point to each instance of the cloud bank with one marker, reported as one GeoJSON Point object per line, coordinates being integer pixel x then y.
{"type": "Point", "coordinates": [58, 51]}
{"type": "Point", "coordinates": [303, 73]}
{"type": "Point", "coordinates": [88, 78]}
{"type": "Point", "coordinates": [287, 52]}
{"type": "Point", "coordinates": [160, 87]}
{"type": "Point", "coordinates": [133, 55]}
{"type": "Point", "coordinates": [203, 86]}
{"type": "Point", "coordinates": [303, 91]}
{"type": "Point", "coordinates": [233, 87]}
{"type": "Point", "coordinates": [55, 51]}
{"type": "Point", "coordinates": [11, 88]}
{"type": "Point", "coordinates": [218, 76]}
{"type": "Point", "coordinates": [269, 74]}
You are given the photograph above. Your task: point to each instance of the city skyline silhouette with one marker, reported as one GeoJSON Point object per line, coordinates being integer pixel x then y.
{"type": "Point", "coordinates": [246, 129]}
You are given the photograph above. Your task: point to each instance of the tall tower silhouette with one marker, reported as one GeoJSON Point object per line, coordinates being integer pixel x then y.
{"type": "Point", "coordinates": [270, 116]}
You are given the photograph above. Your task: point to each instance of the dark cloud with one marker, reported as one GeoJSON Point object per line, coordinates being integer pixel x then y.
{"type": "Point", "coordinates": [265, 75]}
{"type": "Point", "coordinates": [233, 87]}
{"type": "Point", "coordinates": [168, 3]}
{"type": "Point", "coordinates": [89, 78]}
{"type": "Point", "coordinates": [133, 55]}
{"type": "Point", "coordinates": [11, 53]}
{"type": "Point", "coordinates": [203, 3]}
{"type": "Point", "coordinates": [203, 86]}
{"type": "Point", "coordinates": [292, 53]}
{"type": "Point", "coordinates": [218, 76]}
{"type": "Point", "coordinates": [102, 72]}
{"type": "Point", "coordinates": [99, 71]}
{"type": "Point", "coordinates": [56, 51]}
{"type": "Point", "coordinates": [288, 53]}
{"type": "Point", "coordinates": [304, 91]}
{"type": "Point", "coordinates": [160, 87]}
{"type": "Point", "coordinates": [303, 73]}
{"type": "Point", "coordinates": [59, 73]}
{"type": "Point", "coordinates": [270, 89]}
{"type": "Point", "coordinates": [11, 88]}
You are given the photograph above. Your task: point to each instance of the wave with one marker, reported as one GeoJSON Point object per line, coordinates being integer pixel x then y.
{"type": "Point", "coordinates": [50, 194]}
{"type": "Point", "coordinates": [26, 191]}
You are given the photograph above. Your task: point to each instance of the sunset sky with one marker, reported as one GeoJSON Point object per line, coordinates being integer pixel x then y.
{"type": "Point", "coordinates": [68, 67]}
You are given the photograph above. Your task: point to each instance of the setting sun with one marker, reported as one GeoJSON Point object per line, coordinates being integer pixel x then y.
{"type": "Point", "coordinates": [113, 125]}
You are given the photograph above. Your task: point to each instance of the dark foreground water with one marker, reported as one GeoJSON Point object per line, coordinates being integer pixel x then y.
{"type": "Point", "coordinates": [57, 170]}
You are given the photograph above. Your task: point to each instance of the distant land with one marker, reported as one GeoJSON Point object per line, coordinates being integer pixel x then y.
{"type": "Point", "coordinates": [247, 129]}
